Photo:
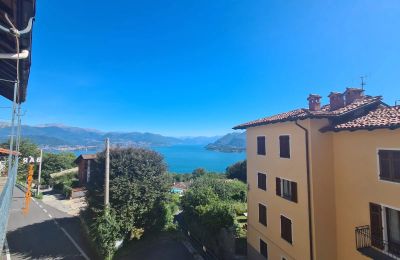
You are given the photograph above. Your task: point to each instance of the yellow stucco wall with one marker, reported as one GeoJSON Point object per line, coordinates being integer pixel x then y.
{"type": "Point", "coordinates": [357, 183]}
{"type": "Point", "coordinates": [322, 190]}
{"type": "Point", "coordinates": [293, 169]}
{"type": "Point", "coordinates": [344, 180]}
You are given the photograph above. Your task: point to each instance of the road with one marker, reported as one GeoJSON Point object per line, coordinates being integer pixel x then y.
{"type": "Point", "coordinates": [44, 233]}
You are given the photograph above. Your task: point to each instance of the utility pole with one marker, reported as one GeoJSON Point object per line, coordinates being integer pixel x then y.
{"type": "Point", "coordinates": [107, 175]}
{"type": "Point", "coordinates": [40, 171]}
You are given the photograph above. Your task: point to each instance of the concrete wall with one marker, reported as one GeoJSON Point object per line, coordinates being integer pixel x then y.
{"type": "Point", "coordinates": [293, 169]}
{"type": "Point", "coordinates": [357, 183]}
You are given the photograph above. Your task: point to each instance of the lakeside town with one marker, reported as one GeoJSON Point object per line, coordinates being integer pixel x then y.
{"type": "Point", "coordinates": [275, 166]}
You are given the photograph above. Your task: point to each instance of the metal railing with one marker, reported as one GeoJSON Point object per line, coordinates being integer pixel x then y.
{"type": "Point", "coordinates": [364, 240]}
{"type": "Point", "coordinates": [5, 202]}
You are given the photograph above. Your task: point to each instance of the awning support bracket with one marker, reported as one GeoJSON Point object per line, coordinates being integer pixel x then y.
{"type": "Point", "coordinates": [16, 32]}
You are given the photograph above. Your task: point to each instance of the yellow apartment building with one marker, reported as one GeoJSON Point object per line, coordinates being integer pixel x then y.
{"type": "Point", "coordinates": [324, 182]}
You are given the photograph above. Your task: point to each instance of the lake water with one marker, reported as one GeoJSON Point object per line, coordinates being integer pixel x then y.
{"type": "Point", "coordinates": [186, 158]}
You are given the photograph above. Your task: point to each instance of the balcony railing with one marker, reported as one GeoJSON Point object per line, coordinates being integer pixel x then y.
{"type": "Point", "coordinates": [375, 247]}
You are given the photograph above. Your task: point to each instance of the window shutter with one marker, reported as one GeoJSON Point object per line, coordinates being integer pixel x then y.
{"type": "Point", "coordinates": [396, 165]}
{"type": "Point", "coordinates": [286, 229]}
{"type": "Point", "coordinates": [384, 164]}
{"type": "Point", "coordinates": [262, 181]}
{"type": "Point", "coordinates": [376, 225]}
{"type": "Point", "coordinates": [284, 146]}
{"type": "Point", "coordinates": [278, 187]}
{"type": "Point", "coordinates": [263, 249]}
{"type": "Point", "coordinates": [262, 214]}
{"type": "Point", "coordinates": [261, 149]}
{"type": "Point", "coordinates": [294, 191]}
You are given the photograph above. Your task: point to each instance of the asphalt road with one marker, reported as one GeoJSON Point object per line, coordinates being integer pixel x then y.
{"type": "Point", "coordinates": [44, 233]}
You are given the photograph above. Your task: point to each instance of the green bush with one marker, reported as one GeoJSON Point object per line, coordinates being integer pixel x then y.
{"type": "Point", "coordinates": [105, 232]}
{"type": "Point", "coordinates": [240, 208]}
{"type": "Point", "coordinates": [39, 196]}
{"type": "Point", "coordinates": [67, 191]}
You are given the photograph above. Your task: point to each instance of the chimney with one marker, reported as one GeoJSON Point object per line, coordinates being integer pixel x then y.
{"type": "Point", "coordinates": [336, 100]}
{"type": "Point", "coordinates": [314, 102]}
{"type": "Point", "coordinates": [352, 94]}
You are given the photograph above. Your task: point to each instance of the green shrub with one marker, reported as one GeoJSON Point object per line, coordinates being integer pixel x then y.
{"type": "Point", "coordinates": [240, 208]}
{"type": "Point", "coordinates": [105, 232]}
{"type": "Point", "coordinates": [67, 191]}
{"type": "Point", "coordinates": [39, 196]}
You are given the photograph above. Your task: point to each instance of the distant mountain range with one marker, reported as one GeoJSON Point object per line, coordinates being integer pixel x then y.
{"type": "Point", "coordinates": [70, 138]}
{"type": "Point", "coordinates": [233, 142]}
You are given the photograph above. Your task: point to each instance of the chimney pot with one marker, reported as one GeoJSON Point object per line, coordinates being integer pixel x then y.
{"type": "Point", "coordinates": [352, 94]}
{"type": "Point", "coordinates": [314, 102]}
{"type": "Point", "coordinates": [336, 100]}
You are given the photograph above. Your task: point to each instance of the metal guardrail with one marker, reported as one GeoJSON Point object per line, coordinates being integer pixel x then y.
{"type": "Point", "coordinates": [5, 202]}
{"type": "Point", "coordinates": [364, 239]}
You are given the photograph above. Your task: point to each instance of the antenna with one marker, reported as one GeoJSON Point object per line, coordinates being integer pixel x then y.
{"type": "Point", "coordinates": [363, 83]}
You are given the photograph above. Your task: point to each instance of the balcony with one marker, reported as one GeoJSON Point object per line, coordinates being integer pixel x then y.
{"type": "Point", "coordinates": [375, 248]}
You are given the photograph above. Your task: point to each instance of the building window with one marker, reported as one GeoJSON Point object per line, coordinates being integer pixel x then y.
{"type": "Point", "coordinates": [393, 230]}
{"type": "Point", "coordinates": [286, 189]}
{"type": "Point", "coordinates": [262, 214]}
{"type": "Point", "coordinates": [263, 249]}
{"type": "Point", "coordinates": [284, 145]}
{"type": "Point", "coordinates": [262, 181]}
{"type": "Point", "coordinates": [261, 149]}
{"type": "Point", "coordinates": [389, 165]}
{"type": "Point", "coordinates": [286, 229]}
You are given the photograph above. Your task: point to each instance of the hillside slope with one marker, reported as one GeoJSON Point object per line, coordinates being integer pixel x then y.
{"type": "Point", "coordinates": [232, 142]}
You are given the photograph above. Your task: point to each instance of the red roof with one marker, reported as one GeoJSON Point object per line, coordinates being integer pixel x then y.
{"type": "Point", "coordinates": [85, 157]}
{"type": "Point", "coordinates": [325, 112]}
{"type": "Point", "coordinates": [384, 117]}
{"type": "Point", "coordinates": [6, 151]}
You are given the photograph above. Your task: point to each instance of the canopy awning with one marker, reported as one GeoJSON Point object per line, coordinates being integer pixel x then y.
{"type": "Point", "coordinates": [19, 12]}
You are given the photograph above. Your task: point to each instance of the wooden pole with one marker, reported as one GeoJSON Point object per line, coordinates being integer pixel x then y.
{"type": "Point", "coordinates": [40, 171]}
{"type": "Point", "coordinates": [107, 175]}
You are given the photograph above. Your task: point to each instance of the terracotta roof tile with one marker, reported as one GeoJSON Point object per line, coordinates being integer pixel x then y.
{"type": "Point", "coordinates": [304, 113]}
{"type": "Point", "coordinates": [386, 117]}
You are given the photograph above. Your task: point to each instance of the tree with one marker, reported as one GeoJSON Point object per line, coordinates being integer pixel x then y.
{"type": "Point", "coordinates": [237, 171]}
{"type": "Point", "coordinates": [26, 148]}
{"type": "Point", "coordinates": [53, 163]}
{"type": "Point", "coordinates": [209, 201]}
{"type": "Point", "coordinates": [199, 172]}
{"type": "Point", "coordinates": [138, 187]}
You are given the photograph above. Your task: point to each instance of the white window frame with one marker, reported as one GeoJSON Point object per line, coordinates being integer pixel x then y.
{"type": "Point", "coordinates": [290, 180]}
{"type": "Point", "coordinates": [291, 227]}
{"type": "Point", "coordinates": [378, 166]}
{"type": "Point", "coordinates": [290, 147]}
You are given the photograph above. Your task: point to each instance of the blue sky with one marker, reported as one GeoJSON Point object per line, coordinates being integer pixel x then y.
{"type": "Point", "coordinates": [200, 67]}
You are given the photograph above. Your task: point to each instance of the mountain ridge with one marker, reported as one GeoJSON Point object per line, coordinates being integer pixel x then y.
{"type": "Point", "coordinates": [58, 135]}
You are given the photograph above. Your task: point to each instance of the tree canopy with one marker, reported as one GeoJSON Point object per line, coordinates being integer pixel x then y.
{"type": "Point", "coordinates": [237, 171]}
{"type": "Point", "coordinates": [138, 189]}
